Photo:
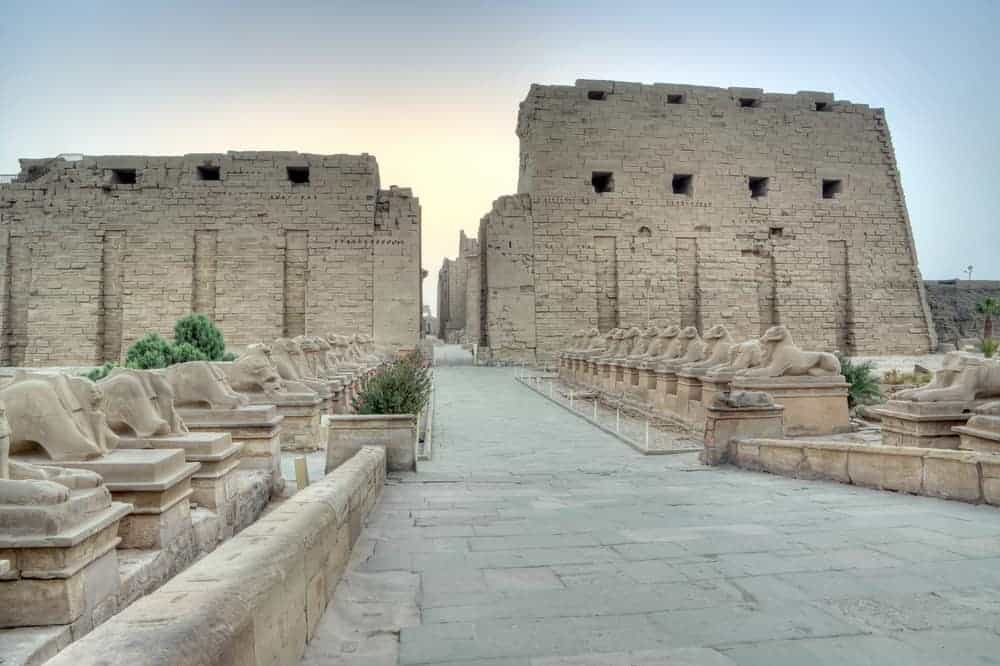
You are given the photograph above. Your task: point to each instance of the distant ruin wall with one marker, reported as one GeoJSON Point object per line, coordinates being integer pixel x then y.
{"type": "Point", "coordinates": [101, 250]}
{"type": "Point", "coordinates": [685, 204]}
{"type": "Point", "coordinates": [953, 306]}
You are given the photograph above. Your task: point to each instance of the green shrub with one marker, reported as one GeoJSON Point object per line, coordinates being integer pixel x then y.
{"type": "Point", "coordinates": [150, 351]}
{"type": "Point", "coordinates": [199, 332]}
{"type": "Point", "coordinates": [990, 346]}
{"type": "Point", "coordinates": [97, 374]}
{"type": "Point", "coordinates": [402, 387]}
{"type": "Point", "coordinates": [863, 386]}
{"type": "Point", "coordinates": [184, 352]}
{"type": "Point", "coordinates": [229, 356]}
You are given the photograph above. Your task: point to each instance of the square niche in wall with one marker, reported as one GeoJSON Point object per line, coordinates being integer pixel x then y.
{"type": "Point", "coordinates": [832, 188]}
{"type": "Point", "coordinates": [602, 181]}
{"type": "Point", "coordinates": [758, 186]}
{"type": "Point", "coordinates": [683, 184]}
{"type": "Point", "coordinates": [298, 175]}
{"type": "Point", "coordinates": [208, 173]}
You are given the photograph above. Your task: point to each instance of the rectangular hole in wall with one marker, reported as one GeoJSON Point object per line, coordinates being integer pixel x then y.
{"type": "Point", "coordinates": [208, 173]}
{"type": "Point", "coordinates": [603, 181]}
{"type": "Point", "coordinates": [823, 106]}
{"type": "Point", "coordinates": [749, 102]}
{"type": "Point", "coordinates": [758, 186]}
{"type": "Point", "coordinates": [682, 183]}
{"type": "Point", "coordinates": [832, 188]}
{"type": "Point", "coordinates": [675, 99]}
{"type": "Point", "coordinates": [298, 175]}
{"type": "Point", "coordinates": [123, 176]}
{"type": "Point", "coordinates": [776, 232]}
{"type": "Point", "coordinates": [597, 95]}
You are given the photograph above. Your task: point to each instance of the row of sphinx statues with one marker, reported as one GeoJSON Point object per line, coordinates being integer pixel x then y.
{"type": "Point", "coordinates": [673, 348]}
{"type": "Point", "coordinates": [69, 417]}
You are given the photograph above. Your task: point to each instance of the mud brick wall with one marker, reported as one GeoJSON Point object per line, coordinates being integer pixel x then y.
{"type": "Point", "coordinates": [100, 250]}
{"type": "Point", "coordinates": [674, 203]}
{"type": "Point", "coordinates": [953, 306]}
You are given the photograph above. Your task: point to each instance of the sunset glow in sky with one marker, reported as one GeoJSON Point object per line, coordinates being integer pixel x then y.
{"type": "Point", "coordinates": [432, 89]}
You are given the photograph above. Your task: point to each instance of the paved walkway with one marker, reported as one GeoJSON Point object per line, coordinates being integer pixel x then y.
{"type": "Point", "coordinates": [534, 539]}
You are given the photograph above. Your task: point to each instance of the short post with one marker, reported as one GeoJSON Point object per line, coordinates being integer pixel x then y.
{"type": "Point", "coordinates": [550, 388]}
{"type": "Point", "coordinates": [301, 472]}
{"type": "Point", "coordinates": [647, 433]}
{"type": "Point", "coordinates": [618, 419]}
{"type": "Point", "coordinates": [571, 400]}
{"type": "Point", "coordinates": [595, 409]}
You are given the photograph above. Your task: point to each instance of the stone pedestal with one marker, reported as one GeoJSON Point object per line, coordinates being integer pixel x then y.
{"type": "Point", "coordinates": [725, 424]}
{"type": "Point", "coordinates": [396, 433]}
{"type": "Point", "coordinates": [688, 401]}
{"type": "Point", "coordinates": [714, 384]}
{"type": "Point", "coordinates": [813, 405]}
{"type": "Point", "coordinates": [981, 433]}
{"type": "Point", "coordinates": [256, 427]}
{"type": "Point", "coordinates": [666, 388]}
{"type": "Point", "coordinates": [300, 427]}
{"type": "Point", "coordinates": [617, 376]}
{"type": "Point", "coordinates": [604, 375]}
{"type": "Point", "coordinates": [214, 484]}
{"type": "Point", "coordinates": [157, 483]}
{"type": "Point", "coordinates": [647, 383]}
{"type": "Point", "coordinates": [926, 425]}
{"type": "Point", "coordinates": [62, 564]}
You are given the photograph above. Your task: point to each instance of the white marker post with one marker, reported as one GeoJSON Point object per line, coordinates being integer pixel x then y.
{"type": "Point", "coordinates": [618, 419]}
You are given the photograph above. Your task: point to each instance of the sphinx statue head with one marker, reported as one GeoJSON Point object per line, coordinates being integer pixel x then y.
{"type": "Point", "coordinates": [288, 359]}
{"type": "Point", "coordinates": [716, 351]}
{"type": "Point", "coordinates": [140, 403]}
{"type": "Point", "coordinates": [202, 384]}
{"type": "Point", "coordinates": [254, 371]}
{"type": "Point", "coordinates": [645, 342]}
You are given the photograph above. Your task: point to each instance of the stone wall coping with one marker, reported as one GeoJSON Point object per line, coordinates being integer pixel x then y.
{"type": "Point", "coordinates": [225, 608]}
{"type": "Point", "coordinates": [872, 449]}
{"type": "Point", "coordinates": [354, 419]}
{"type": "Point", "coordinates": [742, 381]}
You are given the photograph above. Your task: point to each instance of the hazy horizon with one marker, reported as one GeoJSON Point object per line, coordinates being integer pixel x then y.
{"type": "Point", "coordinates": [432, 91]}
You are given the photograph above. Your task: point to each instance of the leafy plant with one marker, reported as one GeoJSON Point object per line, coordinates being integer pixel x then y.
{"type": "Point", "coordinates": [402, 387]}
{"type": "Point", "coordinates": [149, 351]}
{"type": "Point", "coordinates": [97, 374]}
{"type": "Point", "coordinates": [199, 332]}
{"type": "Point", "coordinates": [184, 352]}
{"type": "Point", "coordinates": [228, 356]}
{"type": "Point", "coordinates": [863, 386]}
{"type": "Point", "coordinates": [989, 307]}
{"type": "Point", "coordinates": [990, 346]}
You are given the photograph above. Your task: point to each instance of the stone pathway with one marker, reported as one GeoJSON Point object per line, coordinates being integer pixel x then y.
{"type": "Point", "coordinates": [534, 539]}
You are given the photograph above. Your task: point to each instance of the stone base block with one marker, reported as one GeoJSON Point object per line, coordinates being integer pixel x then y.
{"type": "Point", "coordinates": [724, 426]}
{"type": "Point", "coordinates": [813, 405]}
{"type": "Point", "coordinates": [256, 427]}
{"type": "Point", "coordinates": [925, 425]}
{"type": "Point", "coordinates": [899, 469]}
{"type": "Point", "coordinates": [980, 433]}
{"type": "Point", "coordinates": [952, 475]}
{"type": "Point", "coordinates": [396, 433]}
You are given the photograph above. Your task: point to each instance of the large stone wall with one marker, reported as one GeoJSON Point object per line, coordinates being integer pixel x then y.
{"type": "Point", "coordinates": [694, 205]}
{"type": "Point", "coordinates": [953, 306]}
{"type": "Point", "coordinates": [90, 262]}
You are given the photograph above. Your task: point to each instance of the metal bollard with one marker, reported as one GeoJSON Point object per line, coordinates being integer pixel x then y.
{"type": "Point", "coordinates": [595, 410]}
{"type": "Point", "coordinates": [571, 400]}
{"type": "Point", "coordinates": [618, 419]}
{"type": "Point", "coordinates": [647, 433]}
{"type": "Point", "coordinates": [550, 388]}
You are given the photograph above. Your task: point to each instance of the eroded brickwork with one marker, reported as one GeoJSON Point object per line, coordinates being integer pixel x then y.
{"type": "Point", "coordinates": [267, 243]}
{"type": "Point", "coordinates": [684, 204]}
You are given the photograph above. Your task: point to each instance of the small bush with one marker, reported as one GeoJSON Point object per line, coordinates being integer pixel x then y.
{"type": "Point", "coordinates": [229, 356]}
{"type": "Point", "coordinates": [199, 332]}
{"type": "Point", "coordinates": [97, 374]}
{"type": "Point", "coordinates": [990, 346]}
{"type": "Point", "coordinates": [185, 352]}
{"type": "Point", "coordinates": [896, 378]}
{"type": "Point", "coordinates": [863, 386]}
{"type": "Point", "coordinates": [402, 387]}
{"type": "Point", "coordinates": [149, 352]}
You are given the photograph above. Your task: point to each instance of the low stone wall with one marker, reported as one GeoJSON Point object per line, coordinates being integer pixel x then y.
{"type": "Point", "coordinates": [258, 598]}
{"type": "Point", "coordinates": [959, 475]}
{"type": "Point", "coordinates": [396, 433]}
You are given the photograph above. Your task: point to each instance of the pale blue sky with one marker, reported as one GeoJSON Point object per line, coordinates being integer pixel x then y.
{"type": "Point", "coordinates": [431, 89]}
